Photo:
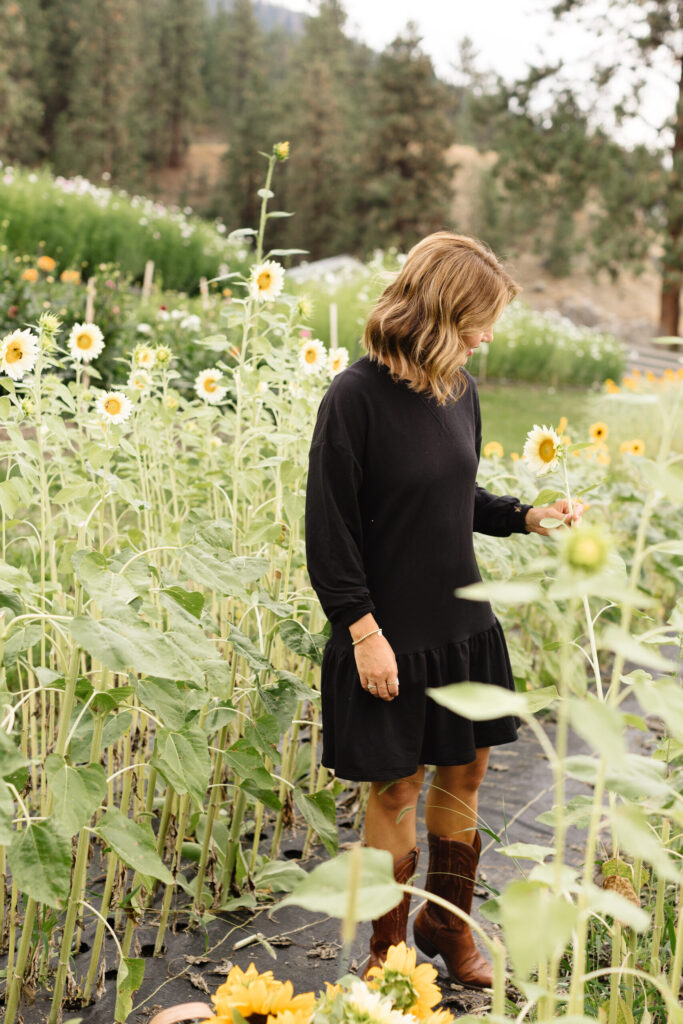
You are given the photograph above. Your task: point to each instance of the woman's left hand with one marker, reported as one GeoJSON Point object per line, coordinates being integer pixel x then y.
{"type": "Point", "coordinates": [558, 510]}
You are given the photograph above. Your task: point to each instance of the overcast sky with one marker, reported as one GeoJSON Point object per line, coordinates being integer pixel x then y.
{"type": "Point", "coordinates": [508, 34]}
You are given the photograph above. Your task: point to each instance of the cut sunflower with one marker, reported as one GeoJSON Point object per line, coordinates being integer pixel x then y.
{"type": "Point", "coordinates": [18, 353]}
{"type": "Point", "coordinates": [266, 280]}
{"type": "Point", "coordinates": [542, 449]}
{"type": "Point", "coordinates": [207, 387]}
{"type": "Point", "coordinates": [114, 406]}
{"type": "Point", "coordinates": [85, 342]}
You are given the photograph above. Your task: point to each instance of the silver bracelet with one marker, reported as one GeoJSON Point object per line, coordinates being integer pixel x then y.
{"type": "Point", "coordinates": [371, 633]}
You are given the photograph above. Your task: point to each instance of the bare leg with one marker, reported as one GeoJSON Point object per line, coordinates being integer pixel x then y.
{"type": "Point", "coordinates": [390, 815]}
{"type": "Point", "coordinates": [451, 808]}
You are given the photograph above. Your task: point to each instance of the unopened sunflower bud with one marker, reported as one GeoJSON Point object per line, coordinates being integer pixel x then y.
{"type": "Point", "coordinates": [281, 150]}
{"type": "Point", "coordinates": [163, 355]}
{"type": "Point", "coordinates": [49, 323]}
{"type": "Point", "coordinates": [586, 548]}
{"type": "Point", "coordinates": [27, 406]}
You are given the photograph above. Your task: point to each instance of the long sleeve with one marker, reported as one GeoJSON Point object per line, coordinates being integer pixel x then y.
{"type": "Point", "coordinates": [494, 514]}
{"type": "Point", "coordinates": [333, 524]}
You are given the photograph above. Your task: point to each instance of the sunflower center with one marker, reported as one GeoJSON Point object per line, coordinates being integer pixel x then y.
{"type": "Point", "coordinates": [264, 280]}
{"type": "Point", "coordinates": [84, 341]}
{"type": "Point", "coordinates": [113, 406]}
{"type": "Point", "coordinates": [546, 450]}
{"type": "Point", "coordinates": [210, 384]}
{"type": "Point", "coordinates": [399, 988]}
{"type": "Point", "coordinates": [14, 352]}
{"type": "Point", "coordinates": [310, 355]}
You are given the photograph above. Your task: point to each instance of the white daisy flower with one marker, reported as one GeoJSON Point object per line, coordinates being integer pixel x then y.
{"type": "Point", "coordinates": [312, 355]}
{"type": "Point", "coordinates": [145, 356]}
{"type": "Point", "coordinates": [206, 387]}
{"type": "Point", "coordinates": [191, 323]}
{"type": "Point", "coordinates": [114, 406]}
{"type": "Point", "coordinates": [337, 360]}
{"type": "Point", "coordinates": [18, 353]}
{"type": "Point", "coordinates": [266, 280]}
{"type": "Point", "coordinates": [542, 449]}
{"type": "Point", "coordinates": [141, 381]}
{"type": "Point", "coordinates": [163, 314]}
{"type": "Point", "coordinates": [85, 342]}
{"type": "Point", "coordinates": [144, 329]}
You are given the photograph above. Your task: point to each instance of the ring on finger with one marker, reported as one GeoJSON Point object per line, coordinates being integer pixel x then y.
{"type": "Point", "coordinates": [372, 688]}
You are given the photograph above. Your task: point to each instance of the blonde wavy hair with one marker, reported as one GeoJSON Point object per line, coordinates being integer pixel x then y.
{"type": "Point", "coordinates": [450, 285]}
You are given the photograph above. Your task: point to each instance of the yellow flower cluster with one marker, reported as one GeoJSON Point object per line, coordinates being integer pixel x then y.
{"type": "Point", "coordinates": [260, 995]}
{"type": "Point", "coordinates": [636, 380]}
{"type": "Point", "coordinates": [410, 985]}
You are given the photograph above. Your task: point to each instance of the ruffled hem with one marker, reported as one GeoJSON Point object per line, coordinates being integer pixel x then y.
{"type": "Point", "coordinates": [367, 738]}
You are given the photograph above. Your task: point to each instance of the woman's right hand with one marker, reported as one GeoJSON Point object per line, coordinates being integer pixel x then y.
{"type": "Point", "coordinates": [377, 669]}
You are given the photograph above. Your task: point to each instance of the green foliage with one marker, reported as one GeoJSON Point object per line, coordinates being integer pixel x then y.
{"type": "Point", "coordinates": [83, 226]}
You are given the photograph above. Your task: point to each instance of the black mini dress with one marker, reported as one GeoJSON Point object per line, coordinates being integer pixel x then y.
{"type": "Point", "coordinates": [391, 507]}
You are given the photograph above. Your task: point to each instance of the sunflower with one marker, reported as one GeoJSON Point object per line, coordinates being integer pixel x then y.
{"type": "Point", "coordinates": [514, 456]}
{"type": "Point", "coordinates": [85, 342]}
{"type": "Point", "coordinates": [493, 448]}
{"type": "Point", "coordinates": [612, 388]}
{"type": "Point", "coordinates": [312, 355]}
{"type": "Point", "coordinates": [669, 374]}
{"type": "Point", "coordinates": [337, 360]}
{"type": "Point", "coordinates": [599, 431]}
{"type": "Point", "coordinates": [30, 274]}
{"type": "Point", "coordinates": [144, 355]}
{"type": "Point", "coordinates": [266, 280]}
{"type": "Point", "coordinates": [542, 449]}
{"type": "Point", "coordinates": [46, 263]}
{"type": "Point", "coordinates": [207, 388]}
{"type": "Point", "coordinates": [649, 375]}
{"type": "Point", "coordinates": [562, 425]}
{"type": "Point", "coordinates": [439, 1017]}
{"type": "Point", "coordinates": [410, 988]}
{"type": "Point", "coordinates": [18, 353]}
{"type": "Point", "coordinates": [257, 994]}
{"type": "Point", "coordinates": [603, 457]}
{"type": "Point", "coordinates": [140, 380]}
{"type": "Point", "coordinates": [114, 406]}
{"type": "Point", "coordinates": [633, 447]}
{"type": "Point", "coordinates": [631, 383]}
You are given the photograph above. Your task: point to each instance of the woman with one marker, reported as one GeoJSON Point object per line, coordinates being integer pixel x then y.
{"type": "Point", "coordinates": [392, 503]}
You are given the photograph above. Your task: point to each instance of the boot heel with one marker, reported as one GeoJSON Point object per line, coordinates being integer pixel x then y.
{"type": "Point", "coordinates": [424, 945]}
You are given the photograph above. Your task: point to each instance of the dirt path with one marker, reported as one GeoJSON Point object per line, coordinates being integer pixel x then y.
{"type": "Point", "coordinates": [517, 788]}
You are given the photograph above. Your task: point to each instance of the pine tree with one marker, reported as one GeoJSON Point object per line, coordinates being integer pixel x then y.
{"type": "Point", "coordinates": [640, 198]}
{"type": "Point", "coordinates": [316, 169]}
{"type": "Point", "coordinates": [182, 43]}
{"type": "Point", "coordinates": [408, 184]}
{"type": "Point", "coordinates": [247, 116]}
{"type": "Point", "coordinates": [20, 104]}
{"type": "Point", "coordinates": [325, 120]}
{"type": "Point", "coordinates": [95, 134]}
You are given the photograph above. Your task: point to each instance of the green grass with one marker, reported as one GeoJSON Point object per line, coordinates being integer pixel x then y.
{"type": "Point", "coordinates": [508, 411]}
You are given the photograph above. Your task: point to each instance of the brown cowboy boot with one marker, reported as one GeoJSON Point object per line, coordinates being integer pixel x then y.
{"type": "Point", "coordinates": [451, 873]}
{"type": "Point", "coordinates": [390, 929]}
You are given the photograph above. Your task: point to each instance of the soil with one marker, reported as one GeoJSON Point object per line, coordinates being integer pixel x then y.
{"type": "Point", "coordinates": [307, 946]}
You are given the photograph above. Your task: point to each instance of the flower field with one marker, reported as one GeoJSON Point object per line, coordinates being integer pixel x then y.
{"type": "Point", "coordinates": [159, 646]}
